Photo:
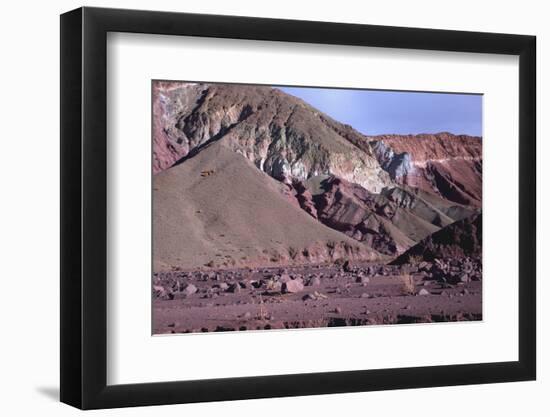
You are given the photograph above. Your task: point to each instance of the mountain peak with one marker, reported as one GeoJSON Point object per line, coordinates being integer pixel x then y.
{"type": "Point", "coordinates": [281, 134]}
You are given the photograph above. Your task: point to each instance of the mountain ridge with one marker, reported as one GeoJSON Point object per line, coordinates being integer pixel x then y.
{"type": "Point", "coordinates": [282, 135]}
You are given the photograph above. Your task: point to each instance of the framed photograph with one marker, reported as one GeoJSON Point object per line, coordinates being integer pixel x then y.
{"type": "Point", "coordinates": [261, 208]}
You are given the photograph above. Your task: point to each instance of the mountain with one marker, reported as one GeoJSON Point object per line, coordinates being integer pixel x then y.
{"type": "Point", "coordinates": [249, 175]}
{"type": "Point", "coordinates": [218, 210]}
{"type": "Point", "coordinates": [280, 134]}
{"type": "Point", "coordinates": [459, 239]}
{"type": "Point", "coordinates": [446, 164]}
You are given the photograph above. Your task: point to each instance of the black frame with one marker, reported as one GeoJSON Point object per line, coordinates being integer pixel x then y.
{"type": "Point", "coordinates": [84, 209]}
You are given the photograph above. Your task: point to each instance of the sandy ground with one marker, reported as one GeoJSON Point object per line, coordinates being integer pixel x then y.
{"type": "Point", "coordinates": [274, 298]}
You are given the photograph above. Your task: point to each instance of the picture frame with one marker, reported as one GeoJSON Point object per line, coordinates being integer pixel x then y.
{"type": "Point", "coordinates": [84, 224]}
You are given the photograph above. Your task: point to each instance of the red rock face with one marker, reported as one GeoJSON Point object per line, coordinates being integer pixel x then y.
{"type": "Point", "coordinates": [351, 209]}
{"type": "Point", "coordinates": [167, 145]}
{"type": "Point", "coordinates": [449, 165]}
{"type": "Point", "coordinates": [389, 222]}
{"type": "Point", "coordinates": [304, 199]}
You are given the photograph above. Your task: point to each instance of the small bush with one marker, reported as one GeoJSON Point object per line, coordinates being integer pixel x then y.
{"type": "Point", "coordinates": [415, 259]}
{"type": "Point", "coordinates": [407, 285]}
{"type": "Point", "coordinates": [263, 314]}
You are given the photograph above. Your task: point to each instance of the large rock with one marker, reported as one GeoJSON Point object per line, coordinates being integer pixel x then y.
{"type": "Point", "coordinates": [159, 291]}
{"type": "Point", "coordinates": [234, 288]}
{"type": "Point", "coordinates": [284, 277]}
{"type": "Point", "coordinates": [314, 282]}
{"type": "Point", "coordinates": [189, 289]}
{"type": "Point", "coordinates": [293, 286]}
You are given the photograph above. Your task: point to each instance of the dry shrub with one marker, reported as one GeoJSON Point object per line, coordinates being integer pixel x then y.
{"type": "Point", "coordinates": [264, 313]}
{"type": "Point", "coordinates": [415, 259]}
{"type": "Point", "coordinates": [339, 261]}
{"type": "Point", "coordinates": [407, 285]}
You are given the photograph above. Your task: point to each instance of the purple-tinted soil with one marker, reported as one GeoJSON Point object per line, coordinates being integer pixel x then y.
{"type": "Point", "coordinates": [316, 296]}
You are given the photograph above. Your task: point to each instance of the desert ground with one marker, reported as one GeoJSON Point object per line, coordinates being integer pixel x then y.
{"type": "Point", "coordinates": [316, 296]}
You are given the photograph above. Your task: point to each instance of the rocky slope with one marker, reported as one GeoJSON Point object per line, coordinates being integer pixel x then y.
{"type": "Point", "coordinates": [445, 164]}
{"type": "Point", "coordinates": [389, 222]}
{"type": "Point", "coordinates": [218, 210]}
{"type": "Point", "coordinates": [282, 135]}
{"type": "Point", "coordinates": [460, 239]}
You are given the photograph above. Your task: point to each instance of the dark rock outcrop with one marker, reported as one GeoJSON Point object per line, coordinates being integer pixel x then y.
{"type": "Point", "coordinates": [458, 240]}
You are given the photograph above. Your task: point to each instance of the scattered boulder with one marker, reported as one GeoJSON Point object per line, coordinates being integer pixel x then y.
{"type": "Point", "coordinates": [362, 279]}
{"type": "Point", "coordinates": [234, 288]}
{"type": "Point", "coordinates": [347, 267]}
{"type": "Point", "coordinates": [275, 286]}
{"type": "Point", "coordinates": [293, 286]}
{"type": "Point", "coordinates": [159, 291]}
{"type": "Point", "coordinates": [314, 282]}
{"type": "Point", "coordinates": [314, 296]}
{"type": "Point", "coordinates": [424, 266]}
{"type": "Point", "coordinates": [423, 291]}
{"type": "Point", "coordinates": [465, 278]}
{"type": "Point", "coordinates": [189, 289]}
{"type": "Point", "coordinates": [284, 278]}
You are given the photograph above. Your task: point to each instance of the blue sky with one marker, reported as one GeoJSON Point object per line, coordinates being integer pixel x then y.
{"type": "Point", "coordinates": [377, 112]}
